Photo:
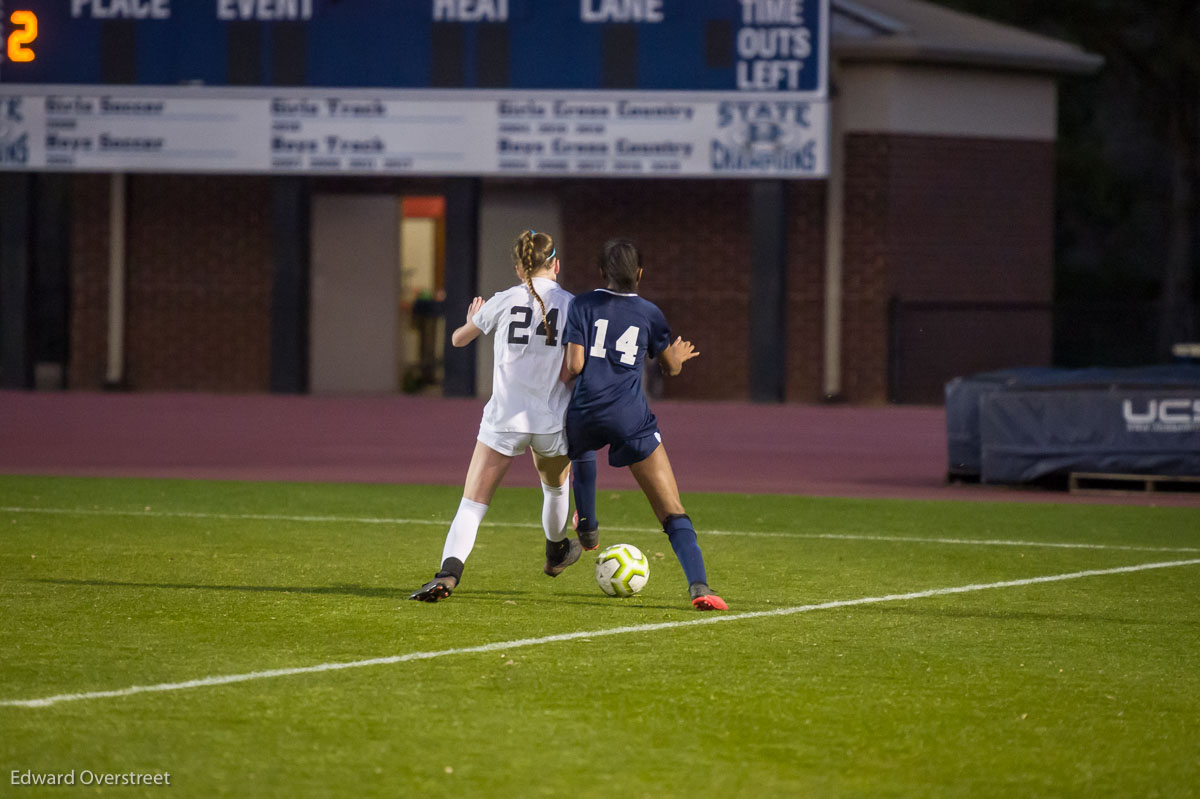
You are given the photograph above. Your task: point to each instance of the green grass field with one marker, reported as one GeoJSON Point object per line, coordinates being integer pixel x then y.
{"type": "Point", "coordinates": [843, 668]}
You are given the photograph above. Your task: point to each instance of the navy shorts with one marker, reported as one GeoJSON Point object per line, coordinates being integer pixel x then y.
{"type": "Point", "coordinates": [621, 452]}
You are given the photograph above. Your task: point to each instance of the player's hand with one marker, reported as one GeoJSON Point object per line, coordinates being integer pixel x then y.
{"type": "Point", "coordinates": [683, 350]}
{"type": "Point", "coordinates": [476, 304]}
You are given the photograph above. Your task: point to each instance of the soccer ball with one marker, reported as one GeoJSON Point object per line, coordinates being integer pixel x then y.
{"type": "Point", "coordinates": [622, 570]}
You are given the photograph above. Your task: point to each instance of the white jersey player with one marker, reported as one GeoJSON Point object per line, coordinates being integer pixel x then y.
{"type": "Point", "coordinates": [527, 395]}
{"type": "Point", "coordinates": [526, 409]}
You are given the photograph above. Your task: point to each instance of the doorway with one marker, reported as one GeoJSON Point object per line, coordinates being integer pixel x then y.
{"type": "Point", "coordinates": [422, 260]}
{"type": "Point", "coordinates": [377, 280]}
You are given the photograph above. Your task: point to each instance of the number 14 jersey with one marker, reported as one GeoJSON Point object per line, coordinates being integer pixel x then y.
{"type": "Point", "coordinates": [527, 394]}
{"type": "Point", "coordinates": [617, 332]}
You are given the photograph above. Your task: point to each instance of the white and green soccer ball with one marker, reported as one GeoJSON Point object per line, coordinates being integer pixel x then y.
{"type": "Point", "coordinates": [622, 570]}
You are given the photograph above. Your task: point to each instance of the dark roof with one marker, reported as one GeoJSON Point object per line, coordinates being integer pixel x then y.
{"type": "Point", "coordinates": [919, 32]}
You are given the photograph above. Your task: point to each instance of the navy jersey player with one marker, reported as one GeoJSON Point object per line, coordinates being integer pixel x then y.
{"type": "Point", "coordinates": [609, 334]}
{"type": "Point", "coordinates": [525, 410]}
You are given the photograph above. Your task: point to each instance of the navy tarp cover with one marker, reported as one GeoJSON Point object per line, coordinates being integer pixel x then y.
{"type": "Point", "coordinates": [962, 415]}
{"type": "Point", "coordinates": [967, 398]}
{"type": "Point", "coordinates": [1030, 435]}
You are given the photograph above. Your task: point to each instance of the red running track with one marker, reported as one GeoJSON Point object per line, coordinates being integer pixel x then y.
{"type": "Point", "coordinates": [886, 452]}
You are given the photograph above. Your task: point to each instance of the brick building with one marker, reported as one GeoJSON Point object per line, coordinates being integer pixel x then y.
{"type": "Point", "coordinates": [926, 254]}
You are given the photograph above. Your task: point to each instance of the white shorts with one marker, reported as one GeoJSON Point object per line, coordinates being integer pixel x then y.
{"type": "Point", "coordinates": [548, 445]}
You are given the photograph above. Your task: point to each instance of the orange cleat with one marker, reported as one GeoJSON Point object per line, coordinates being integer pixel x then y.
{"type": "Point", "coordinates": [709, 602]}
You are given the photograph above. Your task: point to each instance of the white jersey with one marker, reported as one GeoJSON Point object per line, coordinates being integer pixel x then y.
{"type": "Point", "coordinates": [527, 395]}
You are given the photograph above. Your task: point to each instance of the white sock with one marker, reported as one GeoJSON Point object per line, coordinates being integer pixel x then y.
{"type": "Point", "coordinates": [556, 503]}
{"type": "Point", "coordinates": [461, 538]}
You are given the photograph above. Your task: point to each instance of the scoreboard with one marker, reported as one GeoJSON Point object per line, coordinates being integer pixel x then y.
{"type": "Point", "coordinates": [591, 87]}
{"type": "Point", "coordinates": [705, 45]}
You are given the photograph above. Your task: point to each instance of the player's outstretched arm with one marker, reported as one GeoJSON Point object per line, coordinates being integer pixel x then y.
{"type": "Point", "coordinates": [675, 356]}
{"type": "Point", "coordinates": [468, 332]}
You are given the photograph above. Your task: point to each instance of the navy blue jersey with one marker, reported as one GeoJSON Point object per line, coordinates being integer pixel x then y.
{"type": "Point", "coordinates": [617, 332]}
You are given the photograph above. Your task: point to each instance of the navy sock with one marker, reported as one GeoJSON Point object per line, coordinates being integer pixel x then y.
{"type": "Point", "coordinates": [683, 540]}
{"type": "Point", "coordinates": [583, 485]}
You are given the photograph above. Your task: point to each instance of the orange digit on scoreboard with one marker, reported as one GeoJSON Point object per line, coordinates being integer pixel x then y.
{"type": "Point", "coordinates": [19, 40]}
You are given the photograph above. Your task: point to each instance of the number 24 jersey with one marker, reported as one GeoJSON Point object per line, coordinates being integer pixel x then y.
{"type": "Point", "coordinates": [527, 394]}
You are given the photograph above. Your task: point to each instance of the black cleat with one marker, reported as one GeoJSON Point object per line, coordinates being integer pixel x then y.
{"type": "Point", "coordinates": [557, 562]}
{"type": "Point", "coordinates": [588, 539]}
{"type": "Point", "coordinates": [435, 589]}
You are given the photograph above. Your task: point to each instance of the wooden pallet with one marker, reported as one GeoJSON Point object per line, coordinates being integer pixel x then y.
{"type": "Point", "coordinates": [1100, 483]}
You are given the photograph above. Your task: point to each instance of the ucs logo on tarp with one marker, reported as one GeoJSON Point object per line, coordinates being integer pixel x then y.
{"type": "Point", "coordinates": [1175, 415]}
{"type": "Point", "coordinates": [14, 141]}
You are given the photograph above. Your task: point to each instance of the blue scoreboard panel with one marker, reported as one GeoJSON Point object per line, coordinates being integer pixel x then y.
{"type": "Point", "coordinates": [667, 45]}
{"type": "Point", "coordinates": [670, 88]}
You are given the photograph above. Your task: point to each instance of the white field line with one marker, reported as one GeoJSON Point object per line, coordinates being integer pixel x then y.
{"type": "Point", "coordinates": [504, 646]}
{"type": "Point", "coordinates": [276, 517]}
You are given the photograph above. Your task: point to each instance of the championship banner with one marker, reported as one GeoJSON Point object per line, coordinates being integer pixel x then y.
{"type": "Point", "coordinates": [304, 132]}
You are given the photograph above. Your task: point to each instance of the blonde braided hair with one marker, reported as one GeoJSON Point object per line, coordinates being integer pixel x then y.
{"type": "Point", "coordinates": [532, 252]}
